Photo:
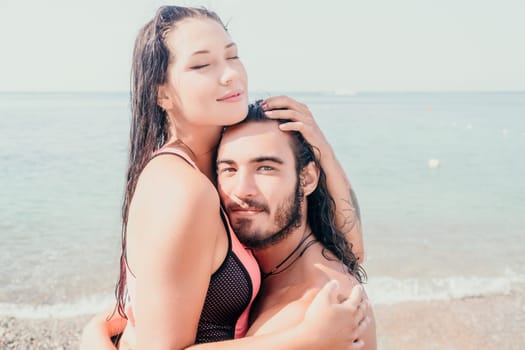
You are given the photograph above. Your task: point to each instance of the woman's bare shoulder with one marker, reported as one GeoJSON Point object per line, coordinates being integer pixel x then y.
{"type": "Point", "coordinates": [173, 197]}
{"type": "Point", "coordinates": [171, 176]}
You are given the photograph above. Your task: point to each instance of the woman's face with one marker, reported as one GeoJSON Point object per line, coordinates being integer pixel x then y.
{"type": "Point", "coordinates": [206, 82]}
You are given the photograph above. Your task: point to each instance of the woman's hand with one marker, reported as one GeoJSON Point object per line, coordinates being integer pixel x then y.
{"type": "Point", "coordinates": [336, 324]}
{"type": "Point", "coordinates": [302, 120]}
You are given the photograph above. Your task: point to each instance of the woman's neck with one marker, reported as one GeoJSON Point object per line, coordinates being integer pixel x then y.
{"type": "Point", "coordinates": [201, 145]}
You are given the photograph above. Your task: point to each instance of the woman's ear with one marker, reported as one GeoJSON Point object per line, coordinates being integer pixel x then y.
{"type": "Point", "coordinates": [309, 178]}
{"type": "Point", "coordinates": [164, 99]}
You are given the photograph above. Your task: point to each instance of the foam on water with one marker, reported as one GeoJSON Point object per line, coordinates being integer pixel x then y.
{"type": "Point", "coordinates": [388, 290]}
{"type": "Point", "coordinates": [381, 291]}
{"type": "Point", "coordinates": [83, 306]}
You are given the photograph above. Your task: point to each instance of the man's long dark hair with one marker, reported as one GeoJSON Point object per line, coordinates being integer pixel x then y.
{"type": "Point", "coordinates": [321, 206]}
{"type": "Point", "coordinates": [149, 123]}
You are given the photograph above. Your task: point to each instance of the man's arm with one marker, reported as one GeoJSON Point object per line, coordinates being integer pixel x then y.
{"type": "Point", "coordinates": [99, 330]}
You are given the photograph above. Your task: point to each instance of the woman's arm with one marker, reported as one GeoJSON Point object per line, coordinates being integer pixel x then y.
{"type": "Point", "coordinates": [326, 324]}
{"type": "Point", "coordinates": [348, 216]}
{"type": "Point", "coordinates": [172, 232]}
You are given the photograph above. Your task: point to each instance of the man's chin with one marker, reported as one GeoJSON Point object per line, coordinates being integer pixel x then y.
{"type": "Point", "coordinates": [249, 236]}
{"type": "Point", "coordinates": [259, 239]}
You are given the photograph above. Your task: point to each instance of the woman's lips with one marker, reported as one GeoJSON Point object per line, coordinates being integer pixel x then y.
{"type": "Point", "coordinates": [233, 96]}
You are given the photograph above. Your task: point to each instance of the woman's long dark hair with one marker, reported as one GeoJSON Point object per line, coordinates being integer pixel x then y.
{"type": "Point", "coordinates": [149, 123]}
{"type": "Point", "coordinates": [321, 205]}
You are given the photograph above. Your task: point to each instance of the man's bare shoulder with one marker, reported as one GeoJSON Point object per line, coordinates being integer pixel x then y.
{"type": "Point", "coordinates": [287, 312]}
{"type": "Point", "coordinates": [285, 307]}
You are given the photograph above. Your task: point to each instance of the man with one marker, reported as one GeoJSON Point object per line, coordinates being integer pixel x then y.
{"type": "Point", "coordinates": [277, 199]}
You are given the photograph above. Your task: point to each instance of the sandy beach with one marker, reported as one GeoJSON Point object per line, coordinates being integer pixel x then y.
{"type": "Point", "coordinates": [495, 322]}
{"type": "Point", "coordinates": [489, 323]}
{"type": "Point", "coordinates": [52, 334]}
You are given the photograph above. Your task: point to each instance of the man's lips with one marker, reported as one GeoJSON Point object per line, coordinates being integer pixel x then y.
{"type": "Point", "coordinates": [246, 210]}
{"type": "Point", "coordinates": [232, 96]}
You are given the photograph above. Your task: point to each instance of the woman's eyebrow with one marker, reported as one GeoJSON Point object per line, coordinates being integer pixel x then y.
{"type": "Point", "coordinates": [200, 52]}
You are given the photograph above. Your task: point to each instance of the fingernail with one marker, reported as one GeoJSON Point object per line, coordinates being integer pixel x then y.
{"type": "Point", "coordinates": [268, 113]}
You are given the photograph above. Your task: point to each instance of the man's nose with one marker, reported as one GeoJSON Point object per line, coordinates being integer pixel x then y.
{"type": "Point", "coordinates": [244, 186]}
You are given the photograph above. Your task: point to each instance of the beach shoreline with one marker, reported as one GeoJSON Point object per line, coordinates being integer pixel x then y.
{"type": "Point", "coordinates": [485, 322]}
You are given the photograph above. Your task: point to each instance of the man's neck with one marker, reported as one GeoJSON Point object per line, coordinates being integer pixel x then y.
{"type": "Point", "coordinates": [270, 257]}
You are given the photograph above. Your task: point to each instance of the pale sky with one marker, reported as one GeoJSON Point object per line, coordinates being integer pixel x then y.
{"type": "Point", "coordinates": [334, 45]}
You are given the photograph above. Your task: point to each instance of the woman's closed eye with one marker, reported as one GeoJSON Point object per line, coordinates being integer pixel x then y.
{"type": "Point", "coordinates": [199, 66]}
{"type": "Point", "coordinates": [204, 65]}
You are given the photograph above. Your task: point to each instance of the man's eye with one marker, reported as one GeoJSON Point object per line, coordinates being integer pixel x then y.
{"type": "Point", "coordinates": [226, 170]}
{"type": "Point", "coordinates": [233, 58]}
{"type": "Point", "coordinates": [266, 168]}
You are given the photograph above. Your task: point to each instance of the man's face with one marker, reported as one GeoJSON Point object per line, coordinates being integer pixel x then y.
{"type": "Point", "coordinates": [258, 183]}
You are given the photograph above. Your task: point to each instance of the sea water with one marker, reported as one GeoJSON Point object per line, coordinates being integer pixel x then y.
{"type": "Point", "coordinates": [439, 178]}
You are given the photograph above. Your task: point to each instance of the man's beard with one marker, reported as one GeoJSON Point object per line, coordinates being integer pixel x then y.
{"type": "Point", "coordinates": [287, 218]}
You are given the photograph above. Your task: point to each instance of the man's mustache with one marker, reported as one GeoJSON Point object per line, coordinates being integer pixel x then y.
{"type": "Point", "coordinates": [247, 203]}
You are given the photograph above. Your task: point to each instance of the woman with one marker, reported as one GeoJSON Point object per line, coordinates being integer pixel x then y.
{"type": "Point", "coordinates": [180, 264]}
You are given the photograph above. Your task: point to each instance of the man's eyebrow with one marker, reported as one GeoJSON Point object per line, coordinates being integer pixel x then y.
{"type": "Point", "coordinates": [200, 52]}
{"type": "Point", "coordinates": [260, 159]}
{"type": "Point", "coordinates": [225, 161]}
{"type": "Point", "coordinates": [267, 159]}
